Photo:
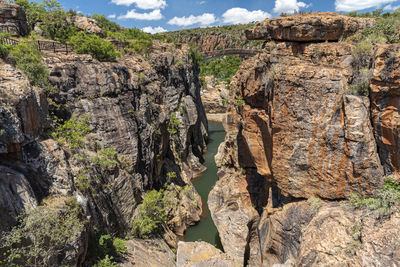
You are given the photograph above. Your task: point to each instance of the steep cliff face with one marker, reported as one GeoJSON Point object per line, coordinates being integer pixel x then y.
{"type": "Point", "coordinates": [139, 119]}
{"type": "Point", "coordinates": [295, 131]}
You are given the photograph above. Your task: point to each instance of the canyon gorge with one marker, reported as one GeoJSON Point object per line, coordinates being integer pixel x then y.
{"type": "Point", "coordinates": [306, 172]}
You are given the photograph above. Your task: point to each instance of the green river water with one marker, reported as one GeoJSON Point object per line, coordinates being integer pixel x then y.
{"type": "Point", "coordinates": [205, 230]}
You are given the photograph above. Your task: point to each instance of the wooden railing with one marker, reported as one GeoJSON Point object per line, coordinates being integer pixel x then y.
{"type": "Point", "coordinates": [52, 46]}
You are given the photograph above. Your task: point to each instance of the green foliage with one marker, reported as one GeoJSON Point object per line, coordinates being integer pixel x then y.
{"type": "Point", "coordinates": [240, 101]}
{"type": "Point", "coordinates": [172, 175]}
{"type": "Point", "coordinates": [106, 25]}
{"type": "Point", "coordinates": [195, 55]}
{"type": "Point", "coordinates": [315, 203]}
{"type": "Point", "coordinates": [42, 233]}
{"type": "Point", "coordinates": [106, 262]}
{"type": "Point", "coordinates": [222, 68]}
{"type": "Point", "coordinates": [107, 157]}
{"type": "Point", "coordinates": [152, 215]}
{"type": "Point", "coordinates": [174, 124]}
{"type": "Point", "coordinates": [72, 131]}
{"type": "Point", "coordinates": [360, 85]}
{"type": "Point", "coordinates": [119, 246]}
{"type": "Point", "coordinates": [50, 17]}
{"type": "Point", "coordinates": [100, 49]}
{"type": "Point", "coordinates": [28, 59]}
{"type": "Point", "coordinates": [141, 46]}
{"type": "Point", "coordinates": [385, 200]}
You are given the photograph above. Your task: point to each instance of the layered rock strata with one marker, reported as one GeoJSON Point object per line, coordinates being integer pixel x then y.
{"type": "Point", "coordinates": [295, 132]}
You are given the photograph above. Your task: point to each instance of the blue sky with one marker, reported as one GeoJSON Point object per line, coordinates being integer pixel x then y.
{"type": "Point", "coordinates": [167, 15]}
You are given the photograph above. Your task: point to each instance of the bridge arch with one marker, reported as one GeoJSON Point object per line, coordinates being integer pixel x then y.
{"type": "Point", "coordinates": [227, 52]}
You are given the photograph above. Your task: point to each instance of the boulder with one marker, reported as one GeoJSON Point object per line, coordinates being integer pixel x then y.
{"type": "Point", "coordinates": [148, 253]}
{"type": "Point", "coordinates": [202, 254]}
{"type": "Point", "coordinates": [13, 19]}
{"type": "Point", "coordinates": [308, 27]}
{"type": "Point", "coordinates": [87, 24]}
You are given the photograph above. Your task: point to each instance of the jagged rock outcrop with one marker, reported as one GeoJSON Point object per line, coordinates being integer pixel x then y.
{"type": "Point", "coordinates": [233, 215]}
{"type": "Point", "coordinates": [13, 19]}
{"type": "Point", "coordinates": [308, 27]}
{"type": "Point", "coordinates": [147, 113]}
{"type": "Point", "coordinates": [148, 253]}
{"type": "Point", "coordinates": [202, 254]}
{"type": "Point", "coordinates": [385, 105]}
{"type": "Point", "coordinates": [86, 24]}
{"type": "Point", "coordinates": [318, 233]}
{"type": "Point", "coordinates": [297, 131]}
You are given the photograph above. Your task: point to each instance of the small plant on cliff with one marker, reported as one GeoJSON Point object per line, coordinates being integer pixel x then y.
{"type": "Point", "coordinates": [315, 203]}
{"type": "Point", "coordinates": [42, 234]}
{"type": "Point", "coordinates": [91, 44]}
{"type": "Point", "coordinates": [141, 47]}
{"type": "Point", "coordinates": [107, 157]}
{"type": "Point", "coordinates": [174, 124]}
{"type": "Point", "coordinates": [152, 215]}
{"type": "Point", "coordinates": [195, 55]}
{"type": "Point", "coordinates": [239, 101]}
{"type": "Point", "coordinates": [383, 202]}
{"type": "Point", "coordinates": [72, 131]}
{"type": "Point", "coordinates": [172, 175]}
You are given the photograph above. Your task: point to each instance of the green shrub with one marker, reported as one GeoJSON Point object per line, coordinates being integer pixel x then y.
{"type": "Point", "coordinates": [195, 55]}
{"type": "Point", "coordinates": [107, 157]}
{"type": "Point", "coordinates": [385, 200]}
{"type": "Point", "coordinates": [42, 233]}
{"type": "Point", "coordinates": [172, 175]}
{"type": "Point", "coordinates": [142, 46]}
{"type": "Point", "coordinates": [119, 246]}
{"type": "Point", "coordinates": [28, 59]}
{"type": "Point", "coordinates": [174, 124]}
{"type": "Point", "coordinates": [100, 49]}
{"type": "Point", "coordinates": [73, 131]}
{"type": "Point", "coordinates": [361, 82]}
{"type": "Point", "coordinates": [106, 262]}
{"type": "Point", "coordinates": [105, 24]}
{"type": "Point", "coordinates": [152, 215]}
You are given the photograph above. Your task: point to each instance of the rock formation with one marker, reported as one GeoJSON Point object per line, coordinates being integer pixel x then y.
{"type": "Point", "coordinates": [308, 27]}
{"type": "Point", "coordinates": [87, 24]}
{"type": "Point", "coordinates": [148, 113]}
{"type": "Point", "coordinates": [296, 132]}
{"type": "Point", "coordinates": [13, 19]}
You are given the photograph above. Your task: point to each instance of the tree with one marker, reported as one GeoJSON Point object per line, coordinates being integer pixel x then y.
{"type": "Point", "coordinates": [42, 235]}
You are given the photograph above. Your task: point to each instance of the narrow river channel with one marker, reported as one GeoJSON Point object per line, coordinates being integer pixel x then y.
{"type": "Point", "coordinates": [205, 230]}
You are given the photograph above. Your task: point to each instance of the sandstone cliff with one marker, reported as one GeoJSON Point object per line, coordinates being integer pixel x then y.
{"type": "Point", "coordinates": [296, 132]}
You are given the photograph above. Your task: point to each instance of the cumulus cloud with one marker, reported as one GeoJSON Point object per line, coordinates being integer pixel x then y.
{"type": "Point", "coordinates": [238, 15]}
{"type": "Point", "coordinates": [112, 16]}
{"type": "Point", "coordinates": [154, 30]}
{"type": "Point", "coordinates": [204, 20]}
{"type": "Point", "coordinates": [353, 5]}
{"type": "Point", "coordinates": [142, 4]}
{"type": "Point", "coordinates": [202, 2]}
{"type": "Point", "coordinates": [132, 14]}
{"type": "Point", "coordinates": [289, 6]}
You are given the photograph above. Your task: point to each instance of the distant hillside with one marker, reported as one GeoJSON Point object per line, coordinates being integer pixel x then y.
{"type": "Point", "coordinates": [219, 37]}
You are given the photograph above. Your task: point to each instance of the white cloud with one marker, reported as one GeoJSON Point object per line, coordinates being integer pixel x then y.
{"type": "Point", "coordinates": [353, 5]}
{"type": "Point", "coordinates": [202, 2]}
{"type": "Point", "coordinates": [142, 4]}
{"type": "Point", "coordinates": [112, 16]}
{"type": "Point", "coordinates": [289, 6]}
{"type": "Point", "coordinates": [154, 30]}
{"type": "Point", "coordinates": [132, 14]}
{"type": "Point", "coordinates": [204, 20]}
{"type": "Point", "coordinates": [390, 7]}
{"type": "Point", "coordinates": [238, 15]}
